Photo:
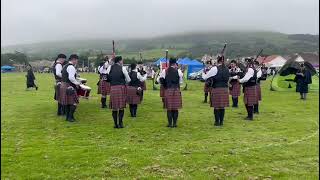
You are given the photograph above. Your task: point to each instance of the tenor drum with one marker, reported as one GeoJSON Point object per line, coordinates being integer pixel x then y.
{"type": "Point", "coordinates": [84, 91]}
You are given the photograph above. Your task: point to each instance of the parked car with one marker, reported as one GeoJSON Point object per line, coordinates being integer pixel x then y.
{"type": "Point", "coordinates": [196, 75]}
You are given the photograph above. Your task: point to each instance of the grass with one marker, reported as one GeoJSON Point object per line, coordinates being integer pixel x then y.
{"type": "Point", "coordinates": [279, 83]}
{"type": "Point", "coordinates": [281, 143]}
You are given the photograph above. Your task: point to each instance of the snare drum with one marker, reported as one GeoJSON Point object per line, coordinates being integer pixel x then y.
{"type": "Point", "coordinates": [84, 91]}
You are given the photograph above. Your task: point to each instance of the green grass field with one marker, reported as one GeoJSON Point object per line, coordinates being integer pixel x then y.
{"type": "Point", "coordinates": [281, 143]}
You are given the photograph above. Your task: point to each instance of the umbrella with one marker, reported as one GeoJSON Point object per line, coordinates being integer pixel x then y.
{"type": "Point", "coordinates": [292, 67]}
{"type": "Point", "coordinates": [310, 67]}
{"type": "Point", "coordinates": [289, 68]}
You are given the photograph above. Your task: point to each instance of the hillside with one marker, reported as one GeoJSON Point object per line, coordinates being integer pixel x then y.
{"type": "Point", "coordinates": [188, 44]}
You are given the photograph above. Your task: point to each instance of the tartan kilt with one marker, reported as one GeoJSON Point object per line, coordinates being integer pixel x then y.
{"type": "Point", "coordinates": [162, 91]}
{"type": "Point", "coordinates": [235, 89]}
{"type": "Point", "coordinates": [143, 85]}
{"type": "Point", "coordinates": [65, 99]}
{"type": "Point", "coordinates": [219, 97]}
{"type": "Point", "coordinates": [57, 91]}
{"type": "Point", "coordinates": [118, 96]}
{"type": "Point", "coordinates": [173, 99]}
{"type": "Point", "coordinates": [206, 88]}
{"type": "Point", "coordinates": [104, 88]}
{"type": "Point", "coordinates": [258, 89]}
{"type": "Point", "coordinates": [250, 97]}
{"type": "Point", "coordinates": [132, 97]}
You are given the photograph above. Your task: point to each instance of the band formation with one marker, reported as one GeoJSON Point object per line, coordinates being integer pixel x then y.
{"type": "Point", "coordinates": [126, 88]}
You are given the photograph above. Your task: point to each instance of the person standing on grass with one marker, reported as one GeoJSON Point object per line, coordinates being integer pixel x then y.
{"type": "Point", "coordinates": [57, 72]}
{"type": "Point", "coordinates": [171, 78]}
{"type": "Point", "coordinates": [207, 88]}
{"type": "Point", "coordinates": [260, 76]}
{"type": "Point", "coordinates": [219, 93]}
{"type": "Point", "coordinates": [249, 82]}
{"type": "Point", "coordinates": [303, 78]}
{"type": "Point", "coordinates": [104, 86]}
{"type": "Point", "coordinates": [68, 88]}
{"type": "Point", "coordinates": [143, 83]}
{"type": "Point", "coordinates": [235, 87]}
{"type": "Point", "coordinates": [30, 78]}
{"type": "Point", "coordinates": [118, 76]}
{"type": "Point", "coordinates": [135, 89]}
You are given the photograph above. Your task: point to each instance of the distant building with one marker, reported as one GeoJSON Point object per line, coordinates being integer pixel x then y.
{"type": "Point", "coordinates": [311, 57]}
{"type": "Point", "coordinates": [274, 61]}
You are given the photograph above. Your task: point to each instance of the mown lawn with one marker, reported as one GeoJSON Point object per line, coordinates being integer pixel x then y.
{"type": "Point", "coordinates": [281, 143]}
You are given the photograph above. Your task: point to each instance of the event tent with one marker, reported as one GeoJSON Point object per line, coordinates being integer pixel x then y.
{"type": "Point", "coordinates": [7, 68]}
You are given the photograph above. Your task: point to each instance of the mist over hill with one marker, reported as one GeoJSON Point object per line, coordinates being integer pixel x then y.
{"type": "Point", "coordinates": [195, 45]}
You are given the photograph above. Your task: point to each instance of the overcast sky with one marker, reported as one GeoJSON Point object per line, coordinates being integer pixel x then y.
{"type": "Point", "coordinates": [27, 21]}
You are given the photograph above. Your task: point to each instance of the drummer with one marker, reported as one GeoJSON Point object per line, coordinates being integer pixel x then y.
{"type": "Point", "coordinates": [68, 94]}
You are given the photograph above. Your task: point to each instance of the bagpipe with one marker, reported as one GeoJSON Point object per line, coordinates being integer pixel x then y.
{"type": "Point", "coordinates": [140, 67]}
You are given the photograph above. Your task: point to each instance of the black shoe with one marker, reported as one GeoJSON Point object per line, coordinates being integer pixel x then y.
{"type": "Point", "coordinates": [120, 125]}
{"type": "Point", "coordinates": [169, 125]}
{"type": "Point", "coordinates": [36, 88]}
{"type": "Point", "coordinates": [116, 126]}
{"type": "Point", "coordinates": [248, 118]}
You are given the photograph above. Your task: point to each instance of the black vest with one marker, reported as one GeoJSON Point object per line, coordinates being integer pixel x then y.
{"type": "Point", "coordinates": [54, 72]}
{"type": "Point", "coordinates": [172, 78]}
{"type": "Point", "coordinates": [65, 74]}
{"type": "Point", "coordinates": [116, 76]}
{"type": "Point", "coordinates": [222, 77]}
{"type": "Point", "coordinates": [134, 79]}
{"type": "Point", "coordinates": [252, 81]}
{"type": "Point", "coordinates": [234, 73]}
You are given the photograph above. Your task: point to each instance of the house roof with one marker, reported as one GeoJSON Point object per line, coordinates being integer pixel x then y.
{"type": "Point", "coordinates": [266, 59]}
{"type": "Point", "coordinates": [312, 58]}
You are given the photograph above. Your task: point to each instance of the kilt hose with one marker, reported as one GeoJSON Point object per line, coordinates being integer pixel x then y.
{"type": "Point", "coordinates": [67, 99]}
{"type": "Point", "coordinates": [144, 85]}
{"type": "Point", "coordinates": [250, 97]}
{"type": "Point", "coordinates": [132, 97]}
{"type": "Point", "coordinates": [219, 98]}
{"type": "Point", "coordinates": [57, 91]}
{"type": "Point", "coordinates": [173, 99]}
{"type": "Point", "coordinates": [235, 90]}
{"type": "Point", "coordinates": [206, 88]}
{"type": "Point", "coordinates": [162, 91]}
{"type": "Point", "coordinates": [104, 88]}
{"type": "Point", "coordinates": [258, 89]}
{"type": "Point", "coordinates": [118, 97]}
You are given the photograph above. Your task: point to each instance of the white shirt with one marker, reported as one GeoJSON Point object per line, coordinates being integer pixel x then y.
{"type": "Point", "coordinates": [72, 71]}
{"type": "Point", "coordinates": [125, 72]}
{"type": "Point", "coordinates": [139, 76]}
{"type": "Point", "coordinates": [163, 75]}
{"type": "Point", "coordinates": [212, 72]}
{"type": "Point", "coordinates": [103, 69]}
{"type": "Point", "coordinates": [58, 68]}
{"type": "Point", "coordinates": [259, 73]}
{"type": "Point", "coordinates": [247, 76]}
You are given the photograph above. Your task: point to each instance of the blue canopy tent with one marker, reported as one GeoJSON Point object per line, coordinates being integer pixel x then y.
{"type": "Point", "coordinates": [160, 60]}
{"type": "Point", "coordinates": [7, 68]}
{"type": "Point", "coordinates": [193, 65]}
